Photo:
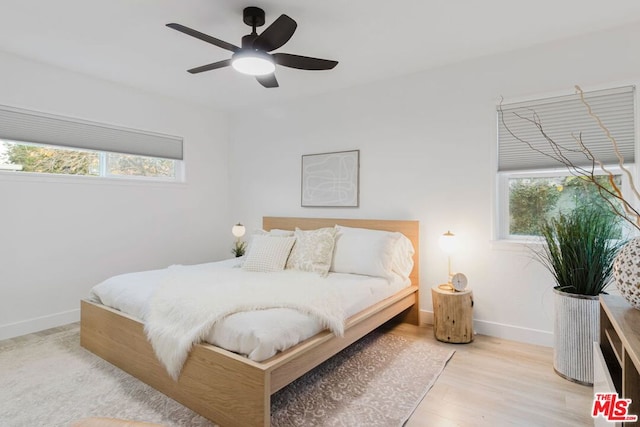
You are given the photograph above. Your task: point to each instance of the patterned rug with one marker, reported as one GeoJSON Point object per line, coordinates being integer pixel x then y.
{"type": "Point", "coordinates": [51, 381]}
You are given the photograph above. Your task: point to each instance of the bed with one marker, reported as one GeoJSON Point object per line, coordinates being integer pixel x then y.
{"type": "Point", "coordinates": [226, 387]}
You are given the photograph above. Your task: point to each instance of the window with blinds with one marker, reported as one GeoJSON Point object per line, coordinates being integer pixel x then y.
{"type": "Point", "coordinates": [32, 141]}
{"type": "Point", "coordinates": [533, 185]}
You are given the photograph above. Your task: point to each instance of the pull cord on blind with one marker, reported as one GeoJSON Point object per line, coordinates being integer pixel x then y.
{"type": "Point", "coordinates": [36, 127]}
{"type": "Point", "coordinates": [561, 117]}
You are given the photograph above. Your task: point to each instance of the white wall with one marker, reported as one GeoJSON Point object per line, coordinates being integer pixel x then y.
{"type": "Point", "coordinates": [60, 236]}
{"type": "Point", "coordinates": [427, 146]}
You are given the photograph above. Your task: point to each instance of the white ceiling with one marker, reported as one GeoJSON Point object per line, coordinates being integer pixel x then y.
{"type": "Point", "coordinates": [126, 41]}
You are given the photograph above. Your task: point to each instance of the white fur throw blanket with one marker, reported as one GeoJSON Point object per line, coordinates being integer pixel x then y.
{"type": "Point", "coordinates": [187, 305]}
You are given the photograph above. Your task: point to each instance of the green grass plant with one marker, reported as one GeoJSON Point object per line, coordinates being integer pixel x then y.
{"type": "Point", "coordinates": [579, 250]}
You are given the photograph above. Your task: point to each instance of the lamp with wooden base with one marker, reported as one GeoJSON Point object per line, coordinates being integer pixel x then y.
{"type": "Point", "coordinates": [452, 302]}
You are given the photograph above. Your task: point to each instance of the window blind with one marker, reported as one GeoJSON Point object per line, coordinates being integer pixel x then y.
{"type": "Point", "coordinates": [560, 118]}
{"type": "Point", "coordinates": [36, 127]}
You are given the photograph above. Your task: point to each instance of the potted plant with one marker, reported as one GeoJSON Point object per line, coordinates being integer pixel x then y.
{"type": "Point", "coordinates": [579, 251]}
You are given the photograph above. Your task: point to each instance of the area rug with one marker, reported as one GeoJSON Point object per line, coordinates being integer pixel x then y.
{"type": "Point", "coordinates": [51, 381]}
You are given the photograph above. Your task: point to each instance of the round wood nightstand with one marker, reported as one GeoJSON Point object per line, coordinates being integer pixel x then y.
{"type": "Point", "coordinates": [452, 315]}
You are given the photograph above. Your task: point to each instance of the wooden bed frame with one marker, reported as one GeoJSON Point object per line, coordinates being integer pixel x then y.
{"type": "Point", "coordinates": [225, 387]}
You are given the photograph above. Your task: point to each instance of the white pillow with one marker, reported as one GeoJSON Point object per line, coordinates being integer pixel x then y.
{"type": "Point", "coordinates": [402, 263]}
{"type": "Point", "coordinates": [268, 253]}
{"type": "Point", "coordinates": [313, 250]}
{"type": "Point", "coordinates": [364, 251]}
{"type": "Point", "coordinates": [279, 232]}
{"type": "Point", "coordinates": [274, 232]}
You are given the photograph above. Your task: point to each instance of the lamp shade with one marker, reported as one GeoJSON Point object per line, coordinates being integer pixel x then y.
{"type": "Point", "coordinates": [447, 242]}
{"type": "Point", "coordinates": [238, 230]}
{"type": "Point", "coordinates": [253, 63]}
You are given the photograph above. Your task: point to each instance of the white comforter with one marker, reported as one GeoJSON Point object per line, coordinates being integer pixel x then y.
{"type": "Point", "coordinates": [258, 334]}
{"type": "Point", "coordinates": [189, 302]}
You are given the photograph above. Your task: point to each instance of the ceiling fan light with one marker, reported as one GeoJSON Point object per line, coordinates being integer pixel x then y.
{"type": "Point", "coordinates": [253, 63]}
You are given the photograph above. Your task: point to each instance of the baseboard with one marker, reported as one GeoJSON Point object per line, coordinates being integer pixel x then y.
{"type": "Point", "coordinates": [29, 326]}
{"type": "Point", "coordinates": [426, 317]}
{"type": "Point", "coordinates": [501, 330]}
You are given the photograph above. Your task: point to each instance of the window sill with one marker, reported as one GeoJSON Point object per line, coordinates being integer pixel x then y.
{"type": "Point", "coordinates": [516, 245]}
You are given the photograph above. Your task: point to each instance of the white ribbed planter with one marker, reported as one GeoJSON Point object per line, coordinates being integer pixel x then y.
{"type": "Point", "coordinates": [576, 327]}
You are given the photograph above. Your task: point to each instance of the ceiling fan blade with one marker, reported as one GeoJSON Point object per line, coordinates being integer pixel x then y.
{"type": "Point", "coordinates": [204, 37]}
{"type": "Point", "coordinates": [276, 35]}
{"type": "Point", "coordinates": [303, 62]}
{"type": "Point", "coordinates": [268, 80]}
{"type": "Point", "coordinates": [212, 66]}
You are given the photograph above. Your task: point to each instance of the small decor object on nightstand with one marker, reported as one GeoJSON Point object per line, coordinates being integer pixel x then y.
{"type": "Point", "coordinates": [459, 282]}
{"type": "Point", "coordinates": [239, 248]}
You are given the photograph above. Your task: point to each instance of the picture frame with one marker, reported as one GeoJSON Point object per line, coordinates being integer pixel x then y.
{"type": "Point", "coordinates": [331, 179]}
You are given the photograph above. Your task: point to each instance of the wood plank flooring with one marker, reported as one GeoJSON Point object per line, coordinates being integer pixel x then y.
{"type": "Point", "coordinates": [496, 382]}
{"type": "Point", "coordinates": [490, 382]}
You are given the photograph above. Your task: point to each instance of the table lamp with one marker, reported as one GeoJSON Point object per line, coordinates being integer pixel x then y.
{"type": "Point", "coordinates": [447, 243]}
{"type": "Point", "coordinates": [240, 246]}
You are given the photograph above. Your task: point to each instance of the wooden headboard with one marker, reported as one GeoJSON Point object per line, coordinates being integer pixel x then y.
{"type": "Point", "coordinates": [411, 229]}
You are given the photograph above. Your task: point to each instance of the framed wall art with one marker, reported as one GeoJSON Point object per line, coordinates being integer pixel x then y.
{"type": "Point", "coordinates": [331, 179]}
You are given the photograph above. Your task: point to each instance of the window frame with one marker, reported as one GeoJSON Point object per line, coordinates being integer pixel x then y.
{"type": "Point", "coordinates": [103, 167]}
{"type": "Point", "coordinates": [503, 217]}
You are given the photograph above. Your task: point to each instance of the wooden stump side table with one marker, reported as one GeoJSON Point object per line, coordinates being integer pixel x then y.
{"type": "Point", "coordinates": [452, 315]}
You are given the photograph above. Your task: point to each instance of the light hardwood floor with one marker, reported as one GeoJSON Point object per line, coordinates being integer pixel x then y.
{"type": "Point", "coordinates": [490, 382]}
{"type": "Point", "coordinates": [496, 382]}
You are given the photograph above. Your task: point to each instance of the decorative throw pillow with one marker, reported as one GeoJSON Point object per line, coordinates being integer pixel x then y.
{"type": "Point", "coordinates": [260, 232]}
{"type": "Point", "coordinates": [268, 253]}
{"type": "Point", "coordinates": [364, 251]}
{"type": "Point", "coordinates": [313, 250]}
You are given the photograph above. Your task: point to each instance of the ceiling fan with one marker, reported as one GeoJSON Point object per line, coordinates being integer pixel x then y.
{"type": "Point", "coordinates": [253, 57]}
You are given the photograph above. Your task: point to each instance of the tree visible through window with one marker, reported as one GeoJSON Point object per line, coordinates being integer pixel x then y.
{"type": "Point", "coordinates": [126, 164]}
{"type": "Point", "coordinates": [533, 200]}
{"type": "Point", "coordinates": [50, 160]}
{"type": "Point", "coordinates": [66, 161]}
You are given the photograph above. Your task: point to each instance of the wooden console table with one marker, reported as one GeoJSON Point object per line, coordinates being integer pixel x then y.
{"type": "Point", "coordinates": [617, 363]}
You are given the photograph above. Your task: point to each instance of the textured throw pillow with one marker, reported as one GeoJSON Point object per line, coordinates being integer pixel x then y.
{"type": "Point", "coordinates": [274, 232]}
{"type": "Point", "coordinates": [364, 251]}
{"type": "Point", "coordinates": [313, 250]}
{"type": "Point", "coordinates": [268, 253]}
